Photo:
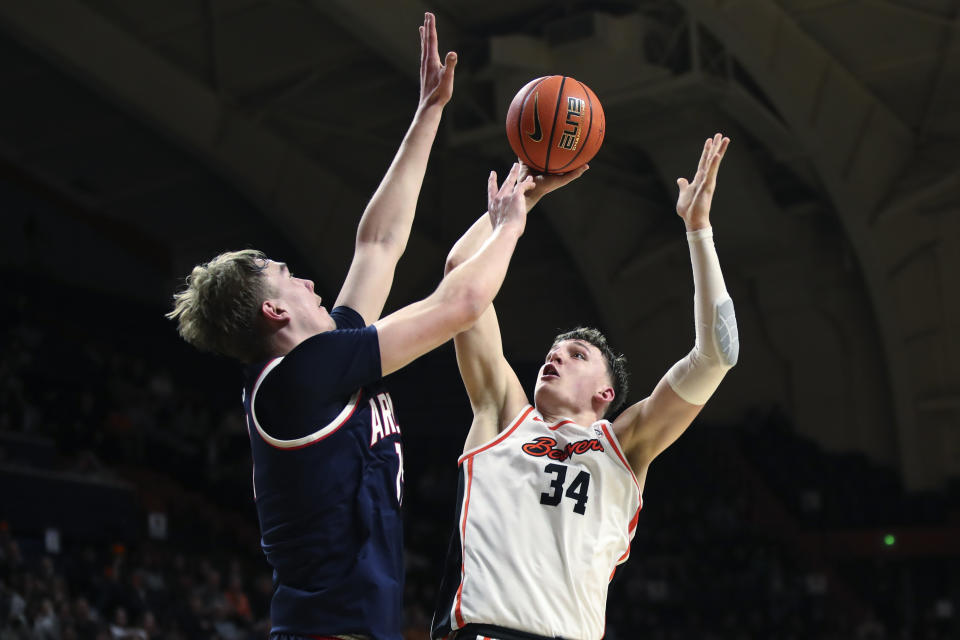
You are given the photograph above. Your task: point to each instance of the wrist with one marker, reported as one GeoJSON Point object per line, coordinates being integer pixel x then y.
{"type": "Point", "coordinates": [428, 112]}
{"type": "Point", "coordinates": [510, 228]}
{"type": "Point", "coordinates": [696, 225]}
{"type": "Point", "coordinates": [699, 234]}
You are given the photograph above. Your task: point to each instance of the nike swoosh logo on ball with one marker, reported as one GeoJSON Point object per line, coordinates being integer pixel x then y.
{"type": "Point", "coordinates": [537, 134]}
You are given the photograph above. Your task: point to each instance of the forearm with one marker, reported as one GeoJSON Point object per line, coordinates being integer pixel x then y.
{"type": "Point", "coordinates": [479, 276]}
{"type": "Point", "coordinates": [459, 300]}
{"type": "Point", "coordinates": [389, 214]}
{"type": "Point", "coordinates": [469, 243]}
{"type": "Point", "coordinates": [716, 350]}
{"type": "Point", "coordinates": [479, 231]}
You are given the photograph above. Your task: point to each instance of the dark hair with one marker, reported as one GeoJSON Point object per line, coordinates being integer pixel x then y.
{"type": "Point", "coordinates": [616, 363]}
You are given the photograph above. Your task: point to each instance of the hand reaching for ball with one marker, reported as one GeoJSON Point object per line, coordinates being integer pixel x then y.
{"type": "Point", "coordinates": [507, 205]}
{"type": "Point", "coordinates": [544, 183]}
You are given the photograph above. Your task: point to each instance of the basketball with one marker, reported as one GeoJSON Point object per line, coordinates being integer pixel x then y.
{"type": "Point", "coordinates": [555, 124]}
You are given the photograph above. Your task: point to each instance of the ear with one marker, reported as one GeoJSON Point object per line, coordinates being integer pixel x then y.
{"type": "Point", "coordinates": [274, 312]}
{"type": "Point", "coordinates": [607, 394]}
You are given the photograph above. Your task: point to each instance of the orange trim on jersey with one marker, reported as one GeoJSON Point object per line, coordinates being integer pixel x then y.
{"type": "Point", "coordinates": [636, 516]}
{"type": "Point", "coordinates": [501, 438]}
{"type": "Point", "coordinates": [560, 424]}
{"type": "Point", "coordinates": [633, 526]}
{"type": "Point", "coordinates": [616, 449]}
{"type": "Point", "coordinates": [463, 547]}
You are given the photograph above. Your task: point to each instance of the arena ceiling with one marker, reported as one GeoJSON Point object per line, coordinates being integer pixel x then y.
{"type": "Point", "coordinates": [164, 131]}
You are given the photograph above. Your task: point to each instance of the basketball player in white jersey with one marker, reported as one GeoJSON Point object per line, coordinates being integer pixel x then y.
{"type": "Point", "coordinates": [550, 493]}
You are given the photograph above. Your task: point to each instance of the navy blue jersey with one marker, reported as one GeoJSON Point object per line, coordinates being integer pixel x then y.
{"type": "Point", "coordinates": [328, 482]}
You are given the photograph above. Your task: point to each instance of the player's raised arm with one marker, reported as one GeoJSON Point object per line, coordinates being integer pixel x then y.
{"type": "Point", "coordinates": [651, 425]}
{"type": "Point", "coordinates": [495, 392]}
{"type": "Point", "coordinates": [467, 290]}
{"type": "Point", "coordinates": [385, 226]}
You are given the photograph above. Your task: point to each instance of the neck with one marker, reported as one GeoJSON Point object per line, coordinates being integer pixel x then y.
{"type": "Point", "coordinates": [583, 417]}
{"type": "Point", "coordinates": [283, 341]}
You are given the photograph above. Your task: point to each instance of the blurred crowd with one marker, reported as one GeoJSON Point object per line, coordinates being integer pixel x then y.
{"type": "Point", "coordinates": [717, 552]}
{"type": "Point", "coordinates": [110, 592]}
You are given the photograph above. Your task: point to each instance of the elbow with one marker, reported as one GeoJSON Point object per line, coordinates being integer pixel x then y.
{"type": "Point", "coordinates": [729, 336]}
{"type": "Point", "coordinates": [389, 247]}
{"type": "Point", "coordinates": [725, 347]}
{"type": "Point", "coordinates": [453, 261]}
{"type": "Point", "coordinates": [466, 307]}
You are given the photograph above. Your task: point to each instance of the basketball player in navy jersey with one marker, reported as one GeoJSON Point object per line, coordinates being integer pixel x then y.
{"type": "Point", "coordinates": [550, 494]}
{"type": "Point", "coordinates": [327, 455]}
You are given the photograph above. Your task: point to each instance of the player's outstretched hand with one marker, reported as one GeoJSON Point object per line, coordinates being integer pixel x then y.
{"type": "Point", "coordinates": [545, 183]}
{"type": "Point", "coordinates": [693, 201]}
{"type": "Point", "coordinates": [507, 205]}
{"type": "Point", "coordinates": [436, 78]}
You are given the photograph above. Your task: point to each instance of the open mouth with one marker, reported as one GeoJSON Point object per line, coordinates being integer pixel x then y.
{"type": "Point", "coordinates": [550, 370]}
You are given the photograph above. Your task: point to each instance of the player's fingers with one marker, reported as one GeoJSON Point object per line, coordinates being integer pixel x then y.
{"type": "Point", "coordinates": [682, 183]}
{"type": "Point", "coordinates": [432, 36]}
{"type": "Point", "coordinates": [573, 175]}
{"type": "Point", "coordinates": [526, 185]}
{"type": "Point", "coordinates": [723, 147]}
{"type": "Point", "coordinates": [449, 63]}
{"type": "Point", "coordinates": [524, 169]}
{"type": "Point", "coordinates": [491, 187]}
{"type": "Point", "coordinates": [424, 42]}
{"type": "Point", "coordinates": [715, 143]}
{"type": "Point", "coordinates": [511, 180]}
{"type": "Point", "coordinates": [705, 153]}
{"type": "Point", "coordinates": [715, 160]}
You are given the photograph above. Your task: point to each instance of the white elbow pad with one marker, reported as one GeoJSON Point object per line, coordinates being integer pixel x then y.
{"type": "Point", "coordinates": [717, 348]}
{"type": "Point", "coordinates": [725, 332]}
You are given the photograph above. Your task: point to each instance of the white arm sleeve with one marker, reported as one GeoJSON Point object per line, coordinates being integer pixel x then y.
{"type": "Point", "coordinates": [717, 347]}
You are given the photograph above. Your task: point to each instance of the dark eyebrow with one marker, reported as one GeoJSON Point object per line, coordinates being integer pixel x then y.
{"type": "Point", "coordinates": [583, 346]}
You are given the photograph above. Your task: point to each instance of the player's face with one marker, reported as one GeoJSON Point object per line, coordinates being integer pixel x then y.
{"type": "Point", "coordinates": [573, 372]}
{"type": "Point", "coordinates": [296, 297]}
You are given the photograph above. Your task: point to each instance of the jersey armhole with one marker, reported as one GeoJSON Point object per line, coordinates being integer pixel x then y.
{"type": "Point", "coordinates": [500, 437]}
{"type": "Point", "coordinates": [305, 441]}
{"type": "Point", "coordinates": [617, 449]}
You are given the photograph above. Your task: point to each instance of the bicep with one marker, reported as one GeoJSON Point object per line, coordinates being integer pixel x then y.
{"type": "Point", "coordinates": [410, 332]}
{"type": "Point", "coordinates": [368, 281]}
{"type": "Point", "coordinates": [653, 424]}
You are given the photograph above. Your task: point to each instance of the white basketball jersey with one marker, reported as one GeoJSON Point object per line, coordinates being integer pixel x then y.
{"type": "Point", "coordinates": [547, 512]}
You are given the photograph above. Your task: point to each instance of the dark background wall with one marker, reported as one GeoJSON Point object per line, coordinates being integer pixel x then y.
{"type": "Point", "coordinates": [137, 139]}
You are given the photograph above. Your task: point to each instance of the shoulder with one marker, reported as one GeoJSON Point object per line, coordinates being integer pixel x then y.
{"type": "Point", "coordinates": [331, 349]}
{"type": "Point", "coordinates": [325, 365]}
{"type": "Point", "coordinates": [347, 318]}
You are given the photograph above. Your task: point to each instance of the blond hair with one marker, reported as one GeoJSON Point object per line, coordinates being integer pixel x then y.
{"type": "Point", "coordinates": [219, 308]}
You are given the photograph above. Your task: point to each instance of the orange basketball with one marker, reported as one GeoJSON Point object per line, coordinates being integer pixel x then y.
{"type": "Point", "coordinates": [555, 124]}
